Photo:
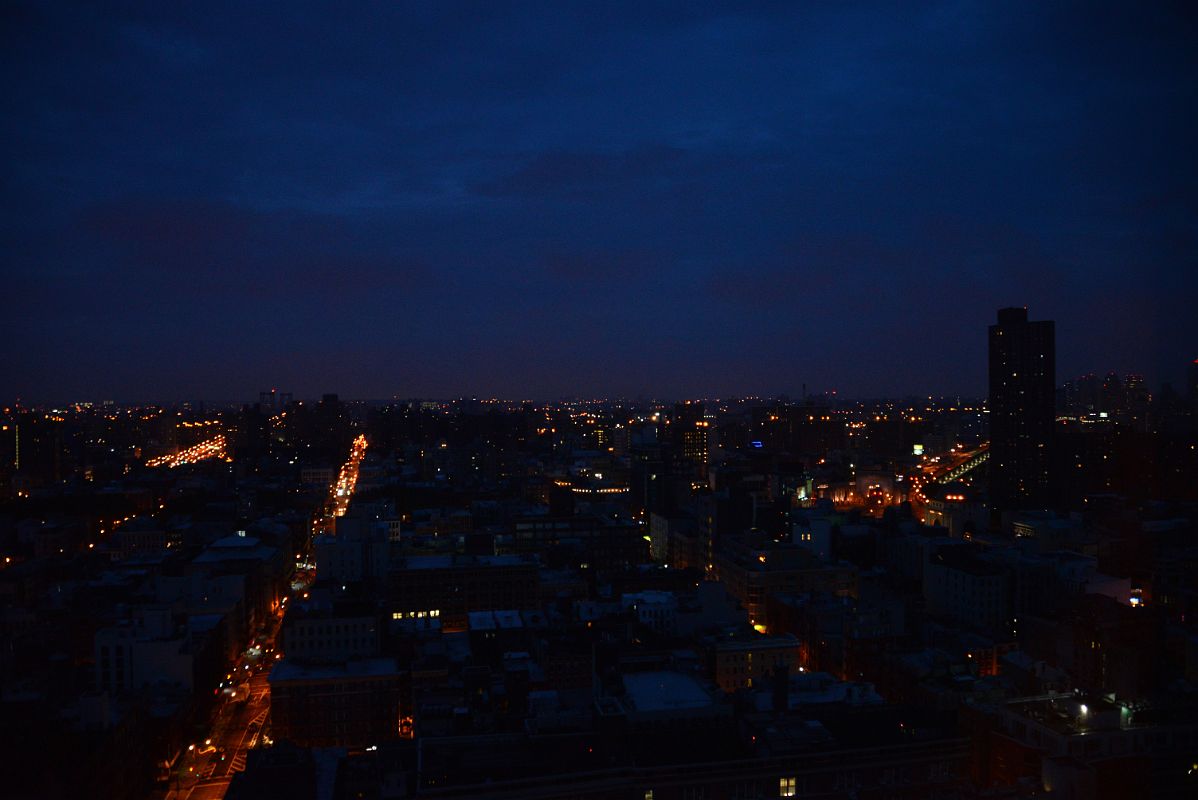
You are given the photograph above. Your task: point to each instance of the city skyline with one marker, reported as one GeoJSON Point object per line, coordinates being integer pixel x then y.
{"type": "Point", "coordinates": [280, 398]}
{"type": "Point", "coordinates": [590, 201]}
{"type": "Point", "coordinates": [768, 598]}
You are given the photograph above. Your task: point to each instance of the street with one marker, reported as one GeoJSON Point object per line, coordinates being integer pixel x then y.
{"type": "Point", "coordinates": [207, 767]}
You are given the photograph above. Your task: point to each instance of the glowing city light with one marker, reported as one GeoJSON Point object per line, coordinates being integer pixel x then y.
{"type": "Point", "coordinates": [347, 479]}
{"type": "Point", "coordinates": [209, 448]}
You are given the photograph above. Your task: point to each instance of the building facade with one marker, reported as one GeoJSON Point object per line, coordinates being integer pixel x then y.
{"type": "Point", "coordinates": [1022, 410]}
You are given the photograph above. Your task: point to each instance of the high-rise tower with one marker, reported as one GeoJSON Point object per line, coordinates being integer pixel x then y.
{"type": "Point", "coordinates": [1022, 410]}
{"type": "Point", "coordinates": [689, 431]}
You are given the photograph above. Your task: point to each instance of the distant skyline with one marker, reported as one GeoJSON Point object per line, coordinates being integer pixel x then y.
{"type": "Point", "coordinates": [549, 200]}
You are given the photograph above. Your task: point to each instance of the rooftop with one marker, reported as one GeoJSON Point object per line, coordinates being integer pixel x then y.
{"type": "Point", "coordinates": [665, 691]}
{"type": "Point", "coordinates": [450, 561]}
{"type": "Point", "coordinates": [290, 670]}
{"type": "Point", "coordinates": [234, 548]}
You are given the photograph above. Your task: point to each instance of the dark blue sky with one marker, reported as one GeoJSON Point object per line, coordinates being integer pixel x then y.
{"type": "Point", "coordinates": [533, 200]}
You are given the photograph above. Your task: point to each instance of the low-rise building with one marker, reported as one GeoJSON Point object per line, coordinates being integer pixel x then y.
{"type": "Point", "coordinates": [356, 703]}
{"type": "Point", "coordinates": [749, 660]}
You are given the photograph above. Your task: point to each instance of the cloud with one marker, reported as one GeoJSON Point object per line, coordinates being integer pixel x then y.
{"type": "Point", "coordinates": [207, 247]}
{"type": "Point", "coordinates": [677, 195]}
{"type": "Point", "coordinates": [571, 172]}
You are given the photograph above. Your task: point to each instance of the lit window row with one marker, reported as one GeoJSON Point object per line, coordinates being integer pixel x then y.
{"type": "Point", "coordinates": [436, 612]}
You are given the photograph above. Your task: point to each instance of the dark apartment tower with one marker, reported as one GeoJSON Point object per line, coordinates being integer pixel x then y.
{"type": "Point", "coordinates": [689, 433]}
{"type": "Point", "coordinates": [1192, 384]}
{"type": "Point", "coordinates": [1022, 418]}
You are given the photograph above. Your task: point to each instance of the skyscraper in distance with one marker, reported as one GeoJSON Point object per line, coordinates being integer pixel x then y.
{"type": "Point", "coordinates": [689, 431]}
{"type": "Point", "coordinates": [1192, 384]}
{"type": "Point", "coordinates": [1022, 410]}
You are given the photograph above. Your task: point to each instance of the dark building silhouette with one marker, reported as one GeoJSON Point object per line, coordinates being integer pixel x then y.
{"type": "Point", "coordinates": [688, 433]}
{"type": "Point", "coordinates": [1022, 410]}
{"type": "Point", "coordinates": [1192, 383]}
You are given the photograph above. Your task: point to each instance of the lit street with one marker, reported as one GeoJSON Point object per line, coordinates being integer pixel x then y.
{"type": "Point", "coordinates": [342, 490]}
{"type": "Point", "coordinates": [206, 769]}
{"type": "Point", "coordinates": [210, 448]}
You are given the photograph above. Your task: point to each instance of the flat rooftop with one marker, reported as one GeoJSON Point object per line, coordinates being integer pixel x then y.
{"type": "Point", "coordinates": [289, 670]}
{"type": "Point", "coordinates": [449, 561]}
{"type": "Point", "coordinates": [665, 691]}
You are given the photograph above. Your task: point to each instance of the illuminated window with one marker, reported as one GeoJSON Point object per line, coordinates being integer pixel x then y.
{"type": "Point", "coordinates": [787, 787]}
{"type": "Point", "coordinates": [648, 794]}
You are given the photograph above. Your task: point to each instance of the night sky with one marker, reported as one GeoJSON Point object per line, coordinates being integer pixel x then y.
{"type": "Point", "coordinates": [539, 200]}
